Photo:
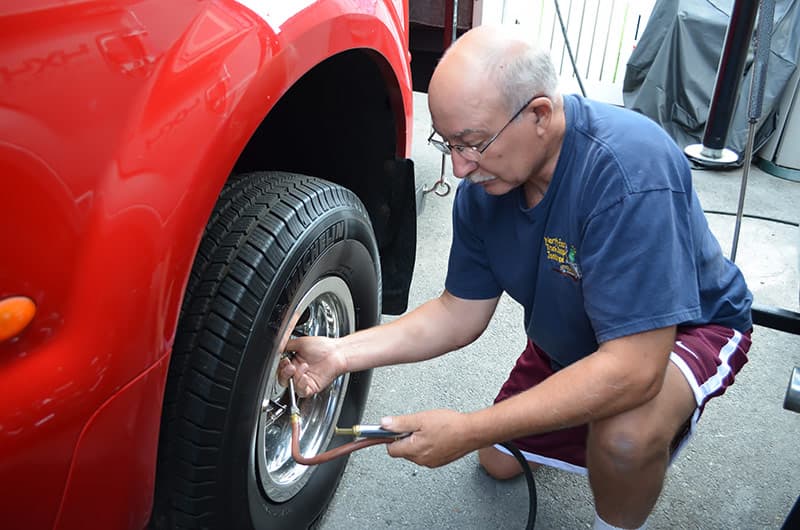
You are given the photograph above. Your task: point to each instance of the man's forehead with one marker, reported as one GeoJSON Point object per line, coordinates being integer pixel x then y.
{"type": "Point", "coordinates": [459, 134]}
{"type": "Point", "coordinates": [456, 119]}
{"type": "Point", "coordinates": [461, 99]}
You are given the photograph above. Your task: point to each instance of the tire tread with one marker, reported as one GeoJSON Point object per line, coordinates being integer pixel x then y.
{"type": "Point", "coordinates": [256, 221]}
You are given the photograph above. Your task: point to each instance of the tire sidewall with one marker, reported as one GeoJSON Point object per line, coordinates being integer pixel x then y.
{"type": "Point", "coordinates": [340, 242]}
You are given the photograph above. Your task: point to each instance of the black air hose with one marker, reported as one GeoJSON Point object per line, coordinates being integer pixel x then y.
{"type": "Point", "coordinates": [526, 470]}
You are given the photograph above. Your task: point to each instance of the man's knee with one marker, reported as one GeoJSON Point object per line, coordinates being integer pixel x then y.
{"type": "Point", "coordinates": [499, 465]}
{"type": "Point", "coordinates": [626, 447]}
{"type": "Point", "coordinates": [644, 435]}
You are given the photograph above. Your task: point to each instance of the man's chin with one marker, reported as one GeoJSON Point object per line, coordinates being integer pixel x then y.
{"type": "Point", "coordinates": [481, 179]}
{"type": "Point", "coordinates": [495, 186]}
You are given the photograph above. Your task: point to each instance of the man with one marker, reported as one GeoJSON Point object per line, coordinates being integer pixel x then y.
{"type": "Point", "coordinates": [585, 214]}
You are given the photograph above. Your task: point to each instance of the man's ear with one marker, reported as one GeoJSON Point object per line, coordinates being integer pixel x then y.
{"type": "Point", "coordinates": [543, 109]}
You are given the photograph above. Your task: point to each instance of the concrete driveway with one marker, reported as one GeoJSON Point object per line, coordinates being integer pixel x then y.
{"type": "Point", "coordinates": [741, 470]}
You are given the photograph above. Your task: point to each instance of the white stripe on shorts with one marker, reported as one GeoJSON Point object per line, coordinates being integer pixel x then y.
{"type": "Point", "coordinates": [546, 460]}
{"type": "Point", "coordinates": [715, 382]}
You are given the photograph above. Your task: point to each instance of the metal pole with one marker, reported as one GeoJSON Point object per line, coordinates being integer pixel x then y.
{"type": "Point", "coordinates": [763, 42]}
{"type": "Point", "coordinates": [712, 151]}
{"type": "Point", "coordinates": [455, 20]}
{"type": "Point", "coordinates": [450, 23]}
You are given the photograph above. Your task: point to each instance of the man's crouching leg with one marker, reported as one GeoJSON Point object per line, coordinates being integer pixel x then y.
{"type": "Point", "coordinates": [500, 465]}
{"type": "Point", "coordinates": [628, 454]}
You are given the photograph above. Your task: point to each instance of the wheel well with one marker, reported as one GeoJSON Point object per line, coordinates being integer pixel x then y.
{"type": "Point", "coordinates": [341, 122]}
{"type": "Point", "coordinates": [336, 123]}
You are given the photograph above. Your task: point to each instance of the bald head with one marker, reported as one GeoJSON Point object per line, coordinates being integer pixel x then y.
{"type": "Point", "coordinates": [494, 63]}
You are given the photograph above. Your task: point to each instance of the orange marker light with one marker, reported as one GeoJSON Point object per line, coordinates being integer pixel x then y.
{"type": "Point", "coordinates": [16, 312]}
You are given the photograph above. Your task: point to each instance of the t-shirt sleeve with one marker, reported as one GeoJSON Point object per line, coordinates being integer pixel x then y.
{"type": "Point", "coordinates": [638, 265]}
{"type": "Point", "coordinates": [469, 273]}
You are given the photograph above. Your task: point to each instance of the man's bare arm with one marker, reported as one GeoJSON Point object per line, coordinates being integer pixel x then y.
{"type": "Point", "coordinates": [621, 375]}
{"type": "Point", "coordinates": [439, 326]}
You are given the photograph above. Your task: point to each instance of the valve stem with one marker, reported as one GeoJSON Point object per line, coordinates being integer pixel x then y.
{"type": "Point", "coordinates": [294, 410]}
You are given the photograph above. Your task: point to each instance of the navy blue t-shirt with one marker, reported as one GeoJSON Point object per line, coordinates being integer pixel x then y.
{"type": "Point", "coordinates": [618, 245]}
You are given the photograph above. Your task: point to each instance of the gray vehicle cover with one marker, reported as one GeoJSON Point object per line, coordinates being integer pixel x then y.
{"type": "Point", "coordinates": [670, 75]}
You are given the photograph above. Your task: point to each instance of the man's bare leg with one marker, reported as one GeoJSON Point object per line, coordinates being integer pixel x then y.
{"type": "Point", "coordinates": [628, 454]}
{"type": "Point", "coordinates": [500, 465]}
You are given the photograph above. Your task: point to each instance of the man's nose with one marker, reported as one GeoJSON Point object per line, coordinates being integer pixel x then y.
{"type": "Point", "coordinates": [461, 166]}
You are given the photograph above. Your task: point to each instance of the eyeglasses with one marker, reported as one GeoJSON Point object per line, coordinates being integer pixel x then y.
{"type": "Point", "coordinates": [473, 153]}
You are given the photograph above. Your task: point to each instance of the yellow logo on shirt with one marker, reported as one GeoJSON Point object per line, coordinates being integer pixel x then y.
{"type": "Point", "coordinates": [565, 256]}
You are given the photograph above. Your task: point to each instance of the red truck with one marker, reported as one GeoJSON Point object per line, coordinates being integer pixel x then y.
{"type": "Point", "coordinates": [186, 184]}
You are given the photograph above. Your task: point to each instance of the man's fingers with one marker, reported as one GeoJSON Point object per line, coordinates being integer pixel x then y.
{"type": "Point", "coordinates": [426, 446]}
{"type": "Point", "coordinates": [293, 344]}
{"type": "Point", "coordinates": [407, 423]}
{"type": "Point", "coordinates": [404, 447]}
{"type": "Point", "coordinates": [301, 380]}
{"type": "Point", "coordinates": [285, 370]}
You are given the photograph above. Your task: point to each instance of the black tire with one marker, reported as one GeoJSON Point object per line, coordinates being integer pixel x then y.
{"type": "Point", "coordinates": [273, 243]}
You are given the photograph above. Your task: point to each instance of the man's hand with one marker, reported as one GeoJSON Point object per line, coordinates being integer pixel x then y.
{"type": "Point", "coordinates": [437, 437]}
{"type": "Point", "coordinates": [316, 363]}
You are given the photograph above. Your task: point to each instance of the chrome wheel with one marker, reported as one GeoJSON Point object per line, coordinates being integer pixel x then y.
{"type": "Point", "coordinates": [327, 309]}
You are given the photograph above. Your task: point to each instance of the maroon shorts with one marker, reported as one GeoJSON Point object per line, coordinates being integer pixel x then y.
{"type": "Point", "coordinates": [708, 356]}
